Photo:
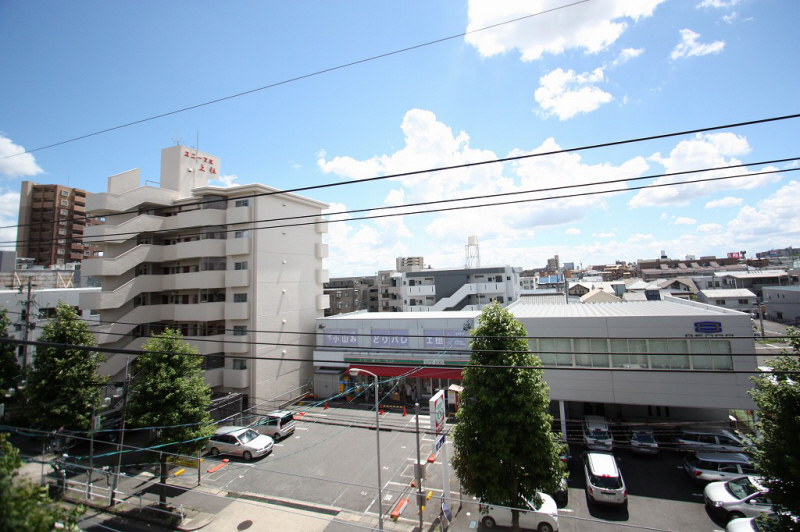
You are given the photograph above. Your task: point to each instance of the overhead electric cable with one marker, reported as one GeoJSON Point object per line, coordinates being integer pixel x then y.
{"type": "Point", "coordinates": [297, 78]}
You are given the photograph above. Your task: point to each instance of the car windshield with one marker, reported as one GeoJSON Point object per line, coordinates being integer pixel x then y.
{"type": "Point", "coordinates": [248, 436]}
{"type": "Point", "coordinates": [599, 434]}
{"type": "Point", "coordinates": [741, 487]}
{"type": "Point", "coordinates": [610, 483]}
{"type": "Point", "coordinates": [643, 437]}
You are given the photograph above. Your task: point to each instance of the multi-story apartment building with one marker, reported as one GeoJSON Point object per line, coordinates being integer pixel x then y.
{"type": "Point", "coordinates": [202, 259]}
{"type": "Point", "coordinates": [348, 294]}
{"type": "Point", "coordinates": [458, 289]}
{"type": "Point", "coordinates": [52, 223]}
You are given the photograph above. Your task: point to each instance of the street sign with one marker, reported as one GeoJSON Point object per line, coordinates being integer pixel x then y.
{"type": "Point", "coordinates": [438, 444]}
{"type": "Point", "coordinates": [437, 405]}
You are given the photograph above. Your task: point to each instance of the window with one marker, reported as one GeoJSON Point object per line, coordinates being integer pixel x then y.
{"type": "Point", "coordinates": [240, 234]}
{"type": "Point", "coordinates": [720, 302]}
{"type": "Point", "coordinates": [239, 363]}
{"type": "Point", "coordinates": [62, 240]}
{"type": "Point", "coordinates": [214, 361]}
{"type": "Point", "coordinates": [62, 231]}
{"type": "Point", "coordinates": [64, 212]}
{"type": "Point", "coordinates": [60, 251]}
{"type": "Point", "coordinates": [240, 265]}
{"type": "Point", "coordinates": [560, 351]}
{"type": "Point", "coordinates": [743, 302]}
{"type": "Point", "coordinates": [64, 193]}
{"type": "Point", "coordinates": [240, 298]}
{"type": "Point", "coordinates": [239, 330]}
{"type": "Point", "coordinates": [64, 203]}
{"type": "Point", "coordinates": [242, 203]}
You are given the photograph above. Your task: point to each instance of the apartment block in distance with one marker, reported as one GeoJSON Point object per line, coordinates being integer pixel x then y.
{"type": "Point", "coordinates": [192, 257]}
{"type": "Point", "coordinates": [52, 223]}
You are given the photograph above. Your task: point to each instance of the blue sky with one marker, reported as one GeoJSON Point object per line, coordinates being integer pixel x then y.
{"type": "Point", "coordinates": [594, 72]}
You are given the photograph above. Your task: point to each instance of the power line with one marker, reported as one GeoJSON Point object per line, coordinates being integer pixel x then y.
{"type": "Point", "coordinates": [117, 237]}
{"type": "Point", "coordinates": [400, 364]}
{"type": "Point", "coordinates": [294, 79]}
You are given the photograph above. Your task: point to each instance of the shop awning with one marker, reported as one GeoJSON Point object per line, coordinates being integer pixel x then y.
{"type": "Point", "coordinates": [411, 372]}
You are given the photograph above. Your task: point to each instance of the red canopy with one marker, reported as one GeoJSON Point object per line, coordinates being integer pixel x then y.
{"type": "Point", "coordinates": [411, 372]}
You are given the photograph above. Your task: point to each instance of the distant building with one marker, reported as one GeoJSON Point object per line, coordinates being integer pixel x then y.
{"type": "Point", "coordinates": [409, 264]}
{"type": "Point", "coordinates": [553, 265]}
{"type": "Point", "coordinates": [665, 268]}
{"type": "Point", "coordinates": [733, 298]}
{"type": "Point", "coordinates": [782, 303]}
{"type": "Point", "coordinates": [52, 222]}
{"type": "Point", "coordinates": [349, 294]}
{"type": "Point", "coordinates": [433, 290]}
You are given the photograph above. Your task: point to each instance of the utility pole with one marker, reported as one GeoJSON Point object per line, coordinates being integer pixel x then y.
{"type": "Point", "coordinates": [23, 348]}
{"type": "Point", "coordinates": [122, 433]}
{"type": "Point", "coordinates": [420, 496]}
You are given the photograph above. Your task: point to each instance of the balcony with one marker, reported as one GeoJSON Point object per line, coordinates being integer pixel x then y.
{"type": "Point", "coordinates": [237, 278]}
{"type": "Point", "coordinates": [198, 218]}
{"type": "Point", "coordinates": [238, 215]}
{"type": "Point", "coordinates": [194, 249]}
{"type": "Point", "coordinates": [237, 246]}
{"type": "Point", "coordinates": [237, 311]}
{"type": "Point", "coordinates": [188, 281]}
{"type": "Point", "coordinates": [214, 377]}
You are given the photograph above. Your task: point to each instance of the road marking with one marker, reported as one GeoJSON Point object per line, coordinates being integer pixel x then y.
{"type": "Point", "coordinates": [301, 428]}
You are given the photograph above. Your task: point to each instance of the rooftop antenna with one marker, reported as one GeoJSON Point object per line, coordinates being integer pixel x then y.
{"type": "Point", "coordinates": [177, 142]}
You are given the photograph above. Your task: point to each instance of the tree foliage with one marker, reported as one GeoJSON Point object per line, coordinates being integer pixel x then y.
{"type": "Point", "coordinates": [504, 448]}
{"type": "Point", "coordinates": [169, 392]}
{"type": "Point", "coordinates": [64, 379]}
{"type": "Point", "coordinates": [24, 505]}
{"type": "Point", "coordinates": [9, 365]}
{"type": "Point", "coordinates": [776, 451]}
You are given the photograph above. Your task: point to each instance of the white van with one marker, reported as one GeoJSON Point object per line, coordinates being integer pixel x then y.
{"type": "Point", "coordinates": [604, 483]}
{"type": "Point", "coordinates": [276, 424]}
{"type": "Point", "coordinates": [543, 519]}
{"type": "Point", "coordinates": [596, 435]}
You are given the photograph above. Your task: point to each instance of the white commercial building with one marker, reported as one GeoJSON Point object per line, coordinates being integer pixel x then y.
{"type": "Point", "coordinates": [434, 290]}
{"type": "Point", "coordinates": [206, 261]}
{"type": "Point", "coordinates": [671, 359]}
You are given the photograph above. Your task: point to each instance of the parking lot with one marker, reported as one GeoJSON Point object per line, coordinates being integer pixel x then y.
{"type": "Point", "coordinates": [330, 461]}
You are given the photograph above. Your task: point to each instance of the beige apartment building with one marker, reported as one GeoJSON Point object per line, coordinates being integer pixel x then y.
{"type": "Point", "coordinates": [207, 261]}
{"type": "Point", "coordinates": [52, 223]}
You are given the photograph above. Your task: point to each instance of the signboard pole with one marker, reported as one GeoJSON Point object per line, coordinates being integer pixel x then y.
{"type": "Point", "coordinates": [438, 409]}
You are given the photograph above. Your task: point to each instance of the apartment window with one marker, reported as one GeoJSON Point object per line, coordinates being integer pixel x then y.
{"type": "Point", "coordinates": [242, 203]}
{"type": "Point", "coordinates": [62, 222]}
{"type": "Point", "coordinates": [60, 251]}
{"type": "Point", "coordinates": [215, 361]}
{"type": "Point", "coordinates": [240, 330]}
{"type": "Point", "coordinates": [64, 212]}
{"type": "Point", "coordinates": [240, 265]}
{"type": "Point", "coordinates": [64, 203]}
{"type": "Point", "coordinates": [240, 298]}
{"type": "Point", "coordinates": [60, 261]}
{"type": "Point", "coordinates": [239, 363]}
{"type": "Point", "coordinates": [720, 302]}
{"type": "Point", "coordinates": [62, 231]}
{"type": "Point", "coordinates": [743, 302]}
{"type": "Point", "coordinates": [62, 240]}
{"type": "Point", "coordinates": [240, 234]}
{"type": "Point", "coordinates": [64, 193]}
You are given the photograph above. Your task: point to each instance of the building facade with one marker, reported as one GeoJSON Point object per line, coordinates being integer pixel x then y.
{"type": "Point", "coordinates": [782, 304]}
{"type": "Point", "coordinates": [52, 224]}
{"type": "Point", "coordinates": [194, 257]}
{"type": "Point", "coordinates": [349, 294]}
{"type": "Point", "coordinates": [434, 290]}
{"type": "Point", "coordinates": [671, 359]}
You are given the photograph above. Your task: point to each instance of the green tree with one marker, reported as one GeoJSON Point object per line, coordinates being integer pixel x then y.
{"type": "Point", "coordinates": [504, 448]}
{"type": "Point", "coordinates": [24, 505]}
{"type": "Point", "coordinates": [9, 366]}
{"type": "Point", "coordinates": [169, 392]}
{"type": "Point", "coordinates": [776, 451]}
{"type": "Point", "coordinates": [64, 379]}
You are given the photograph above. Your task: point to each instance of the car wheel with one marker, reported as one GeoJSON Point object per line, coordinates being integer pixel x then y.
{"type": "Point", "coordinates": [277, 436]}
{"type": "Point", "coordinates": [488, 523]}
{"type": "Point", "coordinates": [247, 456]}
{"type": "Point", "coordinates": [735, 515]}
{"type": "Point", "coordinates": [545, 527]}
{"type": "Point", "coordinates": [214, 451]}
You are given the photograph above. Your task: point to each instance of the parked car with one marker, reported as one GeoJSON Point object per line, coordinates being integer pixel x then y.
{"type": "Point", "coordinates": [642, 440]}
{"type": "Point", "coordinates": [239, 441]}
{"type": "Point", "coordinates": [708, 439]}
{"type": "Point", "coordinates": [714, 467]}
{"type": "Point", "coordinates": [596, 435]}
{"type": "Point", "coordinates": [737, 498]}
{"type": "Point", "coordinates": [543, 519]}
{"type": "Point", "coordinates": [277, 425]}
{"type": "Point", "coordinates": [604, 482]}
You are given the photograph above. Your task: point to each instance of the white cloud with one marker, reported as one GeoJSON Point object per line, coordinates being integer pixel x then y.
{"type": "Point", "coordinates": [729, 18]}
{"type": "Point", "coordinates": [717, 3]}
{"type": "Point", "coordinates": [566, 94]}
{"type": "Point", "coordinates": [19, 165]}
{"type": "Point", "coordinates": [776, 221]}
{"type": "Point", "coordinates": [9, 218]}
{"type": "Point", "coordinates": [683, 220]}
{"type": "Point", "coordinates": [689, 46]}
{"type": "Point", "coordinates": [715, 150]}
{"type": "Point", "coordinates": [626, 55]}
{"type": "Point", "coordinates": [430, 143]}
{"type": "Point", "coordinates": [225, 181]}
{"type": "Point", "coordinates": [573, 231]}
{"type": "Point", "coordinates": [709, 228]}
{"type": "Point", "coordinates": [724, 202]}
{"type": "Point", "coordinates": [591, 27]}
{"type": "Point", "coordinates": [604, 235]}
